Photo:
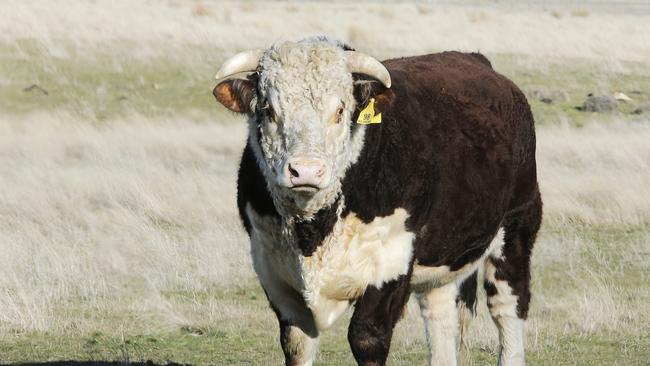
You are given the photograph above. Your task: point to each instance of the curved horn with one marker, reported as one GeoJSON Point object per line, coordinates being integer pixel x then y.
{"type": "Point", "coordinates": [242, 62]}
{"type": "Point", "coordinates": [363, 64]}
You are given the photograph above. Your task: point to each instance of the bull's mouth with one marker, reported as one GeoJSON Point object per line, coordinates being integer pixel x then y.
{"type": "Point", "coordinates": [305, 188]}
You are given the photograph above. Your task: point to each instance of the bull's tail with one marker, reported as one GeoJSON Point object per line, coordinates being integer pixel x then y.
{"type": "Point", "coordinates": [466, 303]}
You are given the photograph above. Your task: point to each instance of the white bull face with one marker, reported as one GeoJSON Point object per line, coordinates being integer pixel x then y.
{"type": "Point", "coordinates": [302, 116]}
{"type": "Point", "coordinates": [300, 105]}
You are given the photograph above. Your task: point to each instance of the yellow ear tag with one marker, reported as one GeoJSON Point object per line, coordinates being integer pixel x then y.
{"type": "Point", "coordinates": [367, 115]}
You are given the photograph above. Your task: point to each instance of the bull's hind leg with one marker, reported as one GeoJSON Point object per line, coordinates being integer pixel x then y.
{"type": "Point", "coordinates": [507, 281]}
{"type": "Point", "coordinates": [440, 315]}
{"type": "Point", "coordinates": [466, 304]}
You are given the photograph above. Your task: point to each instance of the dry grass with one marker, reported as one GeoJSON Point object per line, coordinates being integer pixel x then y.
{"type": "Point", "coordinates": [598, 176]}
{"type": "Point", "coordinates": [391, 29]}
{"type": "Point", "coordinates": [101, 221]}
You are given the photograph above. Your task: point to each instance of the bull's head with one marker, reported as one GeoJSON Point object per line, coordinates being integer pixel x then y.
{"type": "Point", "coordinates": [300, 99]}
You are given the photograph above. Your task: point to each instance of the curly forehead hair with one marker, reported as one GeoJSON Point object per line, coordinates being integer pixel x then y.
{"type": "Point", "coordinates": [306, 70]}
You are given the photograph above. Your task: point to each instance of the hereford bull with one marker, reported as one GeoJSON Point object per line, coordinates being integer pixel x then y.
{"type": "Point", "coordinates": [437, 182]}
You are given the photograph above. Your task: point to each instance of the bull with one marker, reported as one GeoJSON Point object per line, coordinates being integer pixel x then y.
{"type": "Point", "coordinates": [364, 181]}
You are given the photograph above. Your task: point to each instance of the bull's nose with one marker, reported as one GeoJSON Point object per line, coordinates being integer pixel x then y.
{"type": "Point", "coordinates": [305, 171]}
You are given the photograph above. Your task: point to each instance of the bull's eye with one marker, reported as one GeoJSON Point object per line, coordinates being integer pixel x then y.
{"type": "Point", "coordinates": [339, 114]}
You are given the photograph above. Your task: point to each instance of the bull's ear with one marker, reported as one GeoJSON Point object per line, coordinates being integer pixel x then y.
{"type": "Point", "coordinates": [235, 94]}
{"type": "Point", "coordinates": [366, 89]}
{"type": "Point", "coordinates": [384, 100]}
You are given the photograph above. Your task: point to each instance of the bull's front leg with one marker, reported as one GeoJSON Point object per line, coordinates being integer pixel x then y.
{"type": "Point", "coordinates": [298, 333]}
{"type": "Point", "coordinates": [299, 337]}
{"type": "Point", "coordinates": [374, 318]}
{"type": "Point", "coordinates": [298, 345]}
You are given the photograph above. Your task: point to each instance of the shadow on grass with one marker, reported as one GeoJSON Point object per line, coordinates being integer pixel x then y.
{"type": "Point", "coordinates": [94, 363]}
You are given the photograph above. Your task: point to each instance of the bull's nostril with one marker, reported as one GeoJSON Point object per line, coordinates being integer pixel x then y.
{"type": "Point", "coordinates": [293, 172]}
{"type": "Point", "coordinates": [320, 172]}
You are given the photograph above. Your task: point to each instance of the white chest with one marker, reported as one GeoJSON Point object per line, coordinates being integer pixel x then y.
{"type": "Point", "coordinates": [354, 256]}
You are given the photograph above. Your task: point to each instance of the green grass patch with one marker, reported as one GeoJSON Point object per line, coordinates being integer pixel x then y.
{"type": "Point", "coordinates": [106, 82]}
{"type": "Point", "coordinates": [114, 79]}
{"type": "Point", "coordinates": [569, 81]}
{"type": "Point", "coordinates": [258, 347]}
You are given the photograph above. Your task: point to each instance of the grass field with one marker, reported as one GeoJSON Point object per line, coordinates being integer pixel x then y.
{"type": "Point", "coordinates": [119, 238]}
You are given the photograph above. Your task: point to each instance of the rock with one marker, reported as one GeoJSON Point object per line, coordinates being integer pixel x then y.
{"type": "Point", "coordinates": [599, 103]}
{"type": "Point", "coordinates": [642, 109]}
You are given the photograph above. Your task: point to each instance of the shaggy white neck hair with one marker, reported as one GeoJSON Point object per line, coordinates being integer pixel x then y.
{"type": "Point", "coordinates": [304, 83]}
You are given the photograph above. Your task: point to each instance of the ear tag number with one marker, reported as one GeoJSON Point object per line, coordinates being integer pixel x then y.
{"type": "Point", "coordinates": [367, 115]}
